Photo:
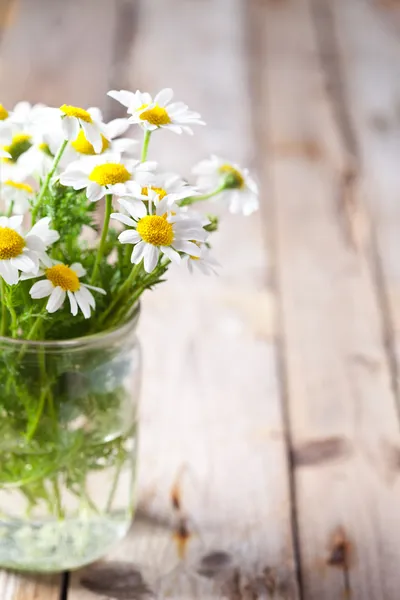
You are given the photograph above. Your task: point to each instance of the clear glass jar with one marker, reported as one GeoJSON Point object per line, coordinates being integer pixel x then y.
{"type": "Point", "coordinates": [68, 442]}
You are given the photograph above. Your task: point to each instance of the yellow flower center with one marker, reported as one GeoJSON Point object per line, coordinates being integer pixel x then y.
{"type": "Point", "coordinates": [11, 243]}
{"type": "Point", "coordinates": [45, 148]}
{"type": "Point", "coordinates": [83, 146]}
{"type": "Point", "coordinates": [155, 230]}
{"type": "Point", "coordinates": [19, 186]}
{"type": "Point", "coordinates": [75, 111]}
{"type": "Point", "coordinates": [156, 116]}
{"type": "Point", "coordinates": [63, 277]}
{"type": "Point", "coordinates": [3, 113]}
{"type": "Point", "coordinates": [20, 143]}
{"type": "Point", "coordinates": [110, 174]}
{"type": "Point", "coordinates": [234, 179]}
{"type": "Point", "coordinates": [160, 191]}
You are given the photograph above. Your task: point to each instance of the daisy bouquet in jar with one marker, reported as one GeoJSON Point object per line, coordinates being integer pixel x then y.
{"type": "Point", "coordinates": [69, 288]}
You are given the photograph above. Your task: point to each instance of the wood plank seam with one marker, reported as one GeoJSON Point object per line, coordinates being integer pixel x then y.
{"type": "Point", "coordinates": [253, 14]}
{"type": "Point", "coordinates": [327, 43]}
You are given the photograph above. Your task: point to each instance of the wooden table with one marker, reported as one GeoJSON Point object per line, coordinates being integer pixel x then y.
{"type": "Point", "coordinates": [270, 448]}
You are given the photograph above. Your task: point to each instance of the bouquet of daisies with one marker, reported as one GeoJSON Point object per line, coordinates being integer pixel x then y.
{"type": "Point", "coordinates": [70, 280]}
{"type": "Point", "coordinates": [60, 280]}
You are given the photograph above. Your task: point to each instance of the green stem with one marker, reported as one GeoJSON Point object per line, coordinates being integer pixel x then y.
{"type": "Point", "coordinates": [46, 182]}
{"type": "Point", "coordinates": [145, 147]}
{"type": "Point", "coordinates": [3, 307]}
{"type": "Point", "coordinates": [194, 199]}
{"type": "Point", "coordinates": [125, 286]}
{"type": "Point", "coordinates": [10, 208]}
{"type": "Point", "coordinates": [106, 224]}
{"type": "Point", "coordinates": [13, 314]}
{"type": "Point", "coordinates": [33, 425]}
{"type": "Point", "coordinates": [57, 497]}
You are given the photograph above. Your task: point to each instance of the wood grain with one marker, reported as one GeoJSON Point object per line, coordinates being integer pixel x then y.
{"type": "Point", "coordinates": [214, 507]}
{"type": "Point", "coordinates": [338, 377]}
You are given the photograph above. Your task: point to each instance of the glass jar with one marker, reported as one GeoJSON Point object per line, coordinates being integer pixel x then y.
{"type": "Point", "coordinates": [68, 443]}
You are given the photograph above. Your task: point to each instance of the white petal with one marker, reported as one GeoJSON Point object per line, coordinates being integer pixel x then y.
{"type": "Point", "coordinates": [15, 222]}
{"type": "Point", "coordinates": [94, 191]}
{"type": "Point", "coordinates": [138, 252]}
{"type": "Point", "coordinates": [188, 247]}
{"type": "Point", "coordinates": [83, 304]}
{"type": "Point", "coordinates": [35, 243]}
{"type": "Point", "coordinates": [79, 270]}
{"type": "Point", "coordinates": [73, 303]}
{"type": "Point", "coordinates": [129, 236]}
{"type": "Point", "coordinates": [132, 207]}
{"type": "Point", "coordinates": [116, 128]}
{"type": "Point", "coordinates": [93, 135]}
{"type": "Point", "coordinates": [41, 289]}
{"type": "Point", "coordinates": [88, 296]}
{"type": "Point", "coordinates": [95, 289]}
{"type": "Point", "coordinates": [151, 255]}
{"type": "Point", "coordinates": [123, 96]}
{"type": "Point", "coordinates": [4, 221]}
{"type": "Point", "coordinates": [164, 96]}
{"type": "Point", "coordinates": [125, 145]}
{"type": "Point", "coordinates": [95, 113]}
{"type": "Point", "coordinates": [75, 179]}
{"type": "Point", "coordinates": [56, 300]}
{"type": "Point", "coordinates": [8, 272]}
{"type": "Point", "coordinates": [123, 219]}
{"type": "Point", "coordinates": [24, 263]}
{"type": "Point", "coordinates": [70, 127]}
{"type": "Point", "coordinates": [171, 253]}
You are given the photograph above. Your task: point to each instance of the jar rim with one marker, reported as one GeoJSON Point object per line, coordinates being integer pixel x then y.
{"type": "Point", "coordinates": [105, 337]}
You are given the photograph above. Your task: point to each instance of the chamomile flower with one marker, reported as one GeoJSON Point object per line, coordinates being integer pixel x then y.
{"type": "Point", "coordinates": [111, 141]}
{"type": "Point", "coordinates": [19, 252]}
{"type": "Point", "coordinates": [163, 184]}
{"type": "Point", "coordinates": [102, 175]}
{"type": "Point", "coordinates": [204, 263]}
{"type": "Point", "coordinates": [74, 119]}
{"type": "Point", "coordinates": [16, 191]}
{"type": "Point", "coordinates": [19, 144]}
{"type": "Point", "coordinates": [164, 232]}
{"type": "Point", "coordinates": [152, 114]}
{"type": "Point", "coordinates": [62, 281]}
{"type": "Point", "coordinates": [240, 190]}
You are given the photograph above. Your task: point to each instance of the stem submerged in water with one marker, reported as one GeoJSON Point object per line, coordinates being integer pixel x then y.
{"type": "Point", "coordinates": [103, 240]}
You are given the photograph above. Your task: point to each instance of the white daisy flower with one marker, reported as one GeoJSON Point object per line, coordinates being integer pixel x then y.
{"type": "Point", "coordinates": [73, 119]}
{"type": "Point", "coordinates": [62, 281]}
{"type": "Point", "coordinates": [164, 232]}
{"type": "Point", "coordinates": [102, 175]}
{"type": "Point", "coordinates": [19, 252]}
{"type": "Point", "coordinates": [163, 184]}
{"type": "Point", "coordinates": [5, 127]}
{"type": "Point", "coordinates": [18, 145]}
{"type": "Point", "coordinates": [205, 262]}
{"type": "Point", "coordinates": [240, 188]}
{"type": "Point", "coordinates": [158, 113]}
{"type": "Point", "coordinates": [16, 191]}
{"type": "Point", "coordinates": [111, 142]}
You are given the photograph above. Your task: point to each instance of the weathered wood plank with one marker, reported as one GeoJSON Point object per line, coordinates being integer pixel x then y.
{"type": "Point", "coordinates": [58, 53]}
{"type": "Point", "coordinates": [20, 587]}
{"type": "Point", "coordinates": [214, 506]}
{"type": "Point", "coordinates": [343, 413]}
{"type": "Point", "coordinates": [370, 57]}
